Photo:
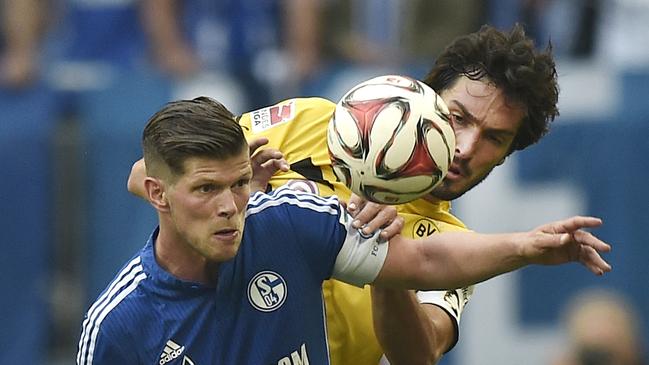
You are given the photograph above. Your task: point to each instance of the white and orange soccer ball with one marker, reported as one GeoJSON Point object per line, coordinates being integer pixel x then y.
{"type": "Point", "coordinates": [390, 140]}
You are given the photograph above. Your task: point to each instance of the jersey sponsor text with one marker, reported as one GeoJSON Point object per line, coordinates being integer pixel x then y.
{"type": "Point", "coordinates": [297, 357]}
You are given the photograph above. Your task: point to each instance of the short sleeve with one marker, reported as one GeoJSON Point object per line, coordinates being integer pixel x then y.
{"type": "Point", "coordinates": [452, 302]}
{"type": "Point", "coordinates": [102, 346]}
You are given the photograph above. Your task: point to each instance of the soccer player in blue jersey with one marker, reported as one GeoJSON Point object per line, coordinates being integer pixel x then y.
{"type": "Point", "coordinates": [229, 278]}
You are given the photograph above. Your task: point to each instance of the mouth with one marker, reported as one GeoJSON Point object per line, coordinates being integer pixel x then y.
{"type": "Point", "coordinates": [227, 234]}
{"type": "Point", "coordinates": [454, 172]}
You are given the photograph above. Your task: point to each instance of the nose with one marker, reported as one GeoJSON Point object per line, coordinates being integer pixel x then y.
{"type": "Point", "coordinates": [227, 206]}
{"type": "Point", "coordinates": [466, 142]}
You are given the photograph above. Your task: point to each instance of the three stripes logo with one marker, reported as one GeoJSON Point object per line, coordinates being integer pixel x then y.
{"type": "Point", "coordinates": [172, 351]}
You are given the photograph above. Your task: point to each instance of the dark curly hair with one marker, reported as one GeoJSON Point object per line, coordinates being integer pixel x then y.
{"type": "Point", "coordinates": [527, 77]}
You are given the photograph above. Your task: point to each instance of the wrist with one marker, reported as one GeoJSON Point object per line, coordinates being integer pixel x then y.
{"type": "Point", "coordinates": [522, 247]}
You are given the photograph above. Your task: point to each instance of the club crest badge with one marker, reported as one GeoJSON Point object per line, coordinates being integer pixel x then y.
{"type": "Point", "coordinates": [267, 291]}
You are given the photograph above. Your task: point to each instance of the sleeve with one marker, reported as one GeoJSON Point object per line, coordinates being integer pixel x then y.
{"type": "Point", "coordinates": [323, 230]}
{"type": "Point", "coordinates": [451, 301]}
{"type": "Point", "coordinates": [100, 345]}
{"type": "Point", "coordinates": [361, 257]}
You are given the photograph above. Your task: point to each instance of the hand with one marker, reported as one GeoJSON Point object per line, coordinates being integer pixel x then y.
{"type": "Point", "coordinates": [17, 69]}
{"type": "Point", "coordinates": [372, 216]}
{"type": "Point", "coordinates": [179, 62]}
{"type": "Point", "coordinates": [265, 163]}
{"type": "Point", "coordinates": [565, 241]}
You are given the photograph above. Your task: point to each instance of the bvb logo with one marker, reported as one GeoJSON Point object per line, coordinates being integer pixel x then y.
{"type": "Point", "coordinates": [267, 291]}
{"type": "Point", "coordinates": [424, 228]}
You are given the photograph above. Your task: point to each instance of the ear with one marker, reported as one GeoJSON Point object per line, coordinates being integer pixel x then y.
{"type": "Point", "coordinates": [156, 194]}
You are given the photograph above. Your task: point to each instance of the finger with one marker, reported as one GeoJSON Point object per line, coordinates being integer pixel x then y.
{"type": "Point", "coordinates": [593, 261]}
{"type": "Point", "coordinates": [392, 229]}
{"type": "Point", "coordinates": [274, 164]}
{"type": "Point", "coordinates": [256, 143]}
{"type": "Point", "coordinates": [281, 164]}
{"type": "Point", "coordinates": [577, 222]}
{"type": "Point", "coordinates": [356, 203]}
{"type": "Point", "coordinates": [383, 218]}
{"type": "Point", "coordinates": [588, 239]}
{"type": "Point", "coordinates": [267, 154]}
{"type": "Point", "coordinates": [366, 213]}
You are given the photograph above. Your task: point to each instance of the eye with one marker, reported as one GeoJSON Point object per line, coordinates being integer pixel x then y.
{"type": "Point", "coordinates": [497, 140]}
{"type": "Point", "coordinates": [457, 119]}
{"type": "Point", "coordinates": [242, 183]}
{"type": "Point", "coordinates": [207, 188]}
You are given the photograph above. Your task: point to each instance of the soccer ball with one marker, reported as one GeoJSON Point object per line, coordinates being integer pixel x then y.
{"type": "Point", "coordinates": [390, 140]}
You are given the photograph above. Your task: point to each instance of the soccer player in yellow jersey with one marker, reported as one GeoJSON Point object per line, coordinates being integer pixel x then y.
{"type": "Point", "coordinates": [502, 95]}
{"type": "Point", "coordinates": [297, 127]}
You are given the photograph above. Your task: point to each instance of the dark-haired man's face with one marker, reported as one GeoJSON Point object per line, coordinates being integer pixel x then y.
{"type": "Point", "coordinates": [485, 127]}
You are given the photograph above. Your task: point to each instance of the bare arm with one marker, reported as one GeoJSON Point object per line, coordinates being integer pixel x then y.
{"type": "Point", "coordinates": [410, 332]}
{"type": "Point", "coordinates": [440, 261]}
{"type": "Point", "coordinates": [303, 35]}
{"type": "Point", "coordinates": [22, 24]}
{"type": "Point", "coordinates": [170, 50]}
{"type": "Point", "coordinates": [414, 333]}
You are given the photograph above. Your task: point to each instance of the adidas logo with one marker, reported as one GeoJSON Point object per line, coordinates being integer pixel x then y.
{"type": "Point", "coordinates": [171, 351]}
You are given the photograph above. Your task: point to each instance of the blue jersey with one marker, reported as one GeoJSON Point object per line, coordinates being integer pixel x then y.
{"type": "Point", "coordinates": [265, 309]}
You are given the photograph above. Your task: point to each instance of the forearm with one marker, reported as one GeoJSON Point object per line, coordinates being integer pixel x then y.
{"type": "Point", "coordinates": [408, 334]}
{"type": "Point", "coordinates": [160, 20]}
{"type": "Point", "coordinates": [450, 260]}
{"type": "Point", "coordinates": [303, 33]}
{"type": "Point", "coordinates": [457, 259]}
{"type": "Point", "coordinates": [22, 25]}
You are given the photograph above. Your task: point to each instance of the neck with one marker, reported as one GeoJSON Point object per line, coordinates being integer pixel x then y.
{"type": "Point", "coordinates": [432, 199]}
{"type": "Point", "coordinates": [177, 257]}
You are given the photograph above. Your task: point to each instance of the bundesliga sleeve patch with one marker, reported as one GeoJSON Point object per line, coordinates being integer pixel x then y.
{"type": "Point", "coordinates": [272, 116]}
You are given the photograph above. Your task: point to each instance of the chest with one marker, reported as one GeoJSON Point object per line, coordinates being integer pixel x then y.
{"type": "Point", "coordinates": [261, 312]}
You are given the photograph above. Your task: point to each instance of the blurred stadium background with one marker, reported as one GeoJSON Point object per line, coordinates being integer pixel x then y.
{"type": "Point", "coordinates": [79, 79]}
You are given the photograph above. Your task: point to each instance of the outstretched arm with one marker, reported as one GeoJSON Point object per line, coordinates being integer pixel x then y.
{"type": "Point", "coordinates": [414, 333]}
{"type": "Point", "coordinates": [457, 259]}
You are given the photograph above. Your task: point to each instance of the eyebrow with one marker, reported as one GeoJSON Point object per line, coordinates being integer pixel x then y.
{"type": "Point", "coordinates": [202, 179]}
{"type": "Point", "coordinates": [473, 118]}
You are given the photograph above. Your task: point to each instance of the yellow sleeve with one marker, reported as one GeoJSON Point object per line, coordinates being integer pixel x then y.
{"type": "Point", "coordinates": [298, 128]}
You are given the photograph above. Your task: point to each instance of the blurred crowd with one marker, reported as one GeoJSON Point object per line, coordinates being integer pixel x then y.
{"type": "Point", "coordinates": [79, 78]}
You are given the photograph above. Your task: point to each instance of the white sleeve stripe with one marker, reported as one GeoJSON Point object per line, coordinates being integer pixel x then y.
{"type": "Point", "coordinates": [298, 194]}
{"type": "Point", "coordinates": [125, 276]}
{"type": "Point", "coordinates": [315, 206]}
{"type": "Point", "coordinates": [285, 191]}
{"type": "Point", "coordinates": [118, 281]}
{"type": "Point", "coordinates": [133, 269]}
{"type": "Point", "coordinates": [127, 273]}
{"type": "Point", "coordinates": [109, 307]}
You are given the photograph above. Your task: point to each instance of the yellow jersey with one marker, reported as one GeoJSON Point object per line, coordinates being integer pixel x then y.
{"type": "Point", "coordinates": [298, 128]}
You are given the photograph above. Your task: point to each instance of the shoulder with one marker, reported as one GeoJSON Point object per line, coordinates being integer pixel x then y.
{"type": "Point", "coordinates": [291, 199]}
{"type": "Point", "coordinates": [290, 113]}
{"type": "Point", "coordinates": [115, 311]}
